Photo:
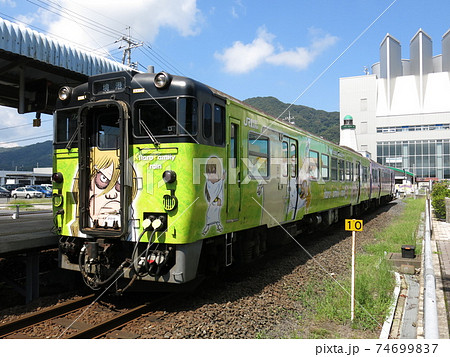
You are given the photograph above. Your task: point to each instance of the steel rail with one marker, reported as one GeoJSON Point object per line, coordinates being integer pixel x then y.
{"type": "Point", "coordinates": [119, 321]}
{"type": "Point", "coordinates": [111, 324]}
{"type": "Point", "coordinates": [46, 314]}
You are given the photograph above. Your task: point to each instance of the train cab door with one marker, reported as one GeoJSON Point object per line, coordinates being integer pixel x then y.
{"type": "Point", "coordinates": [234, 163]}
{"type": "Point", "coordinates": [104, 180]}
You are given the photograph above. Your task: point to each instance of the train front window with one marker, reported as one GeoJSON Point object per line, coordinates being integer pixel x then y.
{"type": "Point", "coordinates": [66, 125]}
{"type": "Point", "coordinates": [160, 116]}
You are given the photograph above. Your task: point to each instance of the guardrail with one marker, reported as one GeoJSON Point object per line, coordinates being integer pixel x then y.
{"type": "Point", "coordinates": [430, 305]}
{"type": "Point", "coordinates": [16, 209]}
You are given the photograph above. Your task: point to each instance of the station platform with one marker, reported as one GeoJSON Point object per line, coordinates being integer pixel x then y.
{"type": "Point", "coordinates": [28, 234]}
{"type": "Point", "coordinates": [440, 239]}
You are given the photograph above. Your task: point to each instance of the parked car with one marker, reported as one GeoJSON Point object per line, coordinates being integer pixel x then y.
{"type": "Point", "coordinates": [26, 192]}
{"type": "Point", "coordinates": [11, 186]}
{"type": "Point", "coordinates": [4, 192]}
{"type": "Point", "coordinates": [42, 189]}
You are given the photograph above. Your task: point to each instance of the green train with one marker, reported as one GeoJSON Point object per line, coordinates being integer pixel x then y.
{"type": "Point", "coordinates": [160, 179]}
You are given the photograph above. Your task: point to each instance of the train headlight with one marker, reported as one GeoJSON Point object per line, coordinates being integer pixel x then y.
{"type": "Point", "coordinates": [57, 177]}
{"type": "Point", "coordinates": [162, 80]}
{"type": "Point", "coordinates": [169, 176]}
{"type": "Point", "coordinates": [64, 93]}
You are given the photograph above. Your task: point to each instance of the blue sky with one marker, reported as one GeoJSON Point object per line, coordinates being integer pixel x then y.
{"type": "Point", "coordinates": [294, 51]}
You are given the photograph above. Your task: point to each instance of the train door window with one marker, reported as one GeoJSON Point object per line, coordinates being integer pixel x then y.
{"type": "Point", "coordinates": [364, 174]}
{"type": "Point", "coordinates": [219, 124]}
{"type": "Point", "coordinates": [324, 168]}
{"type": "Point", "coordinates": [187, 116]}
{"type": "Point", "coordinates": [293, 158]}
{"type": "Point", "coordinates": [284, 168]}
{"type": "Point", "coordinates": [108, 132]}
{"type": "Point", "coordinates": [358, 171]}
{"type": "Point", "coordinates": [234, 140]}
{"type": "Point", "coordinates": [66, 125]}
{"type": "Point", "coordinates": [258, 156]}
{"type": "Point", "coordinates": [207, 121]}
{"type": "Point", "coordinates": [347, 171]}
{"type": "Point", "coordinates": [374, 175]}
{"type": "Point", "coordinates": [352, 167]}
{"type": "Point", "coordinates": [313, 165]}
{"type": "Point", "coordinates": [334, 169]}
{"type": "Point", "coordinates": [341, 170]}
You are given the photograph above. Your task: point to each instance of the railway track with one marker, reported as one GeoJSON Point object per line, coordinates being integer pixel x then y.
{"type": "Point", "coordinates": [57, 316]}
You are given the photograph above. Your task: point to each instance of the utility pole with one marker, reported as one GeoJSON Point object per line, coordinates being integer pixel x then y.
{"type": "Point", "coordinates": [289, 119]}
{"type": "Point", "coordinates": [131, 44]}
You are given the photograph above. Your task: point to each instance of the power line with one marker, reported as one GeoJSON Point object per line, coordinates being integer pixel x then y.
{"type": "Point", "coordinates": [22, 125]}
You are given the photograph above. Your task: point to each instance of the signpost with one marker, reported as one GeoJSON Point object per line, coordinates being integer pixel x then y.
{"type": "Point", "coordinates": [353, 225]}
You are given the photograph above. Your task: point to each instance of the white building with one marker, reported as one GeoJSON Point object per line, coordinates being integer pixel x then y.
{"type": "Point", "coordinates": [402, 110]}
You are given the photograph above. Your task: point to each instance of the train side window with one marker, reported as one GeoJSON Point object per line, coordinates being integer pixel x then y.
{"type": "Point", "coordinates": [341, 170]}
{"type": "Point", "coordinates": [284, 168]}
{"type": "Point", "coordinates": [187, 116]}
{"type": "Point", "coordinates": [313, 165]}
{"type": "Point", "coordinates": [325, 171]}
{"type": "Point", "coordinates": [219, 124]}
{"type": "Point", "coordinates": [334, 169]}
{"type": "Point", "coordinates": [258, 156]}
{"type": "Point", "coordinates": [66, 124]}
{"type": "Point", "coordinates": [207, 121]}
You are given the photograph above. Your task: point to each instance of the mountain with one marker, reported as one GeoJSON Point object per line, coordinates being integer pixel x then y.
{"type": "Point", "coordinates": [25, 158]}
{"type": "Point", "coordinates": [318, 122]}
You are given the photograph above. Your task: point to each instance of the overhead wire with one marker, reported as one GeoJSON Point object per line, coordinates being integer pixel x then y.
{"type": "Point", "coordinates": [22, 125]}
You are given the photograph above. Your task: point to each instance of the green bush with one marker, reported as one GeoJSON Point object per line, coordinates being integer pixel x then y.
{"type": "Point", "coordinates": [438, 194]}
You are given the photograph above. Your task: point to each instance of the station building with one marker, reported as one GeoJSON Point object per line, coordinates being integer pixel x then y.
{"type": "Point", "coordinates": [38, 176]}
{"type": "Point", "coordinates": [401, 111]}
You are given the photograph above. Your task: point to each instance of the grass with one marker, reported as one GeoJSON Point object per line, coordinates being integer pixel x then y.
{"type": "Point", "coordinates": [374, 282]}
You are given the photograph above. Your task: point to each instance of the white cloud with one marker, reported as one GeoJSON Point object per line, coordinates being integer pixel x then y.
{"type": "Point", "coordinates": [81, 21]}
{"type": "Point", "coordinates": [243, 58]}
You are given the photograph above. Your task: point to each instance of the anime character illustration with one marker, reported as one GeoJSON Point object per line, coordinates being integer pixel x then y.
{"type": "Point", "coordinates": [215, 178]}
{"type": "Point", "coordinates": [104, 191]}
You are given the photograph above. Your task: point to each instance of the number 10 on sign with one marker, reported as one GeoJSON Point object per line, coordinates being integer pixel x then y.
{"type": "Point", "coordinates": [353, 225]}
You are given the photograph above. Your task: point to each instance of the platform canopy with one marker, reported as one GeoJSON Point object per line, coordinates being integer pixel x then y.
{"type": "Point", "coordinates": [33, 66]}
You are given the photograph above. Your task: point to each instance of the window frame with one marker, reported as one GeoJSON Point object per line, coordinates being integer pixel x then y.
{"type": "Point", "coordinates": [259, 154]}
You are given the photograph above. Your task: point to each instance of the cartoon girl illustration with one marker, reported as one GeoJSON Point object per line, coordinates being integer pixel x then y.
{"type": "Point", "coordinates": [215, 177]}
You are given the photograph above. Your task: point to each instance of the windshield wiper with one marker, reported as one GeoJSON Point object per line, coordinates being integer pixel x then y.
{"type": "Point", "coordinates": [149, 133]}
{"type": "Point", "coordinates": [72, 138]}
